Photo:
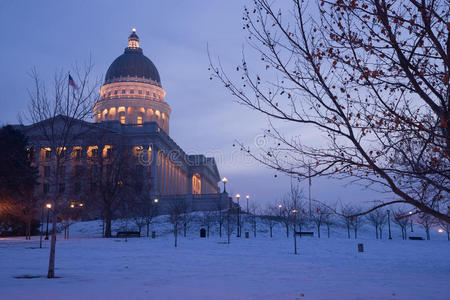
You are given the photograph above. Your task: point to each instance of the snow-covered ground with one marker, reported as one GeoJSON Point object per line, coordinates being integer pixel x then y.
{"type": "Point", "coordinates": [256, 268]}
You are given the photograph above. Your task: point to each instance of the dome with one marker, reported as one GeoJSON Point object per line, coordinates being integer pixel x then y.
{"type": "Point", "coordinates": [133, 65]}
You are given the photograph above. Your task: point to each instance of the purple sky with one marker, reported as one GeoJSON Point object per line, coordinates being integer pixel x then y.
{"type": "Point", "coordinates": [53, 35]}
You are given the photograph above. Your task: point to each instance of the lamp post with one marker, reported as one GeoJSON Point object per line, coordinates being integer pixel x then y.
{"type": "Point", "coordinates": [42, 226]}
{"type": "Point", "coordinates": [224, 181]}
{"type": "Point", "coordinates": [238, 234]}
{"type": "Point", "coordinates": [389, 223]}
{"type": "Point", "coordinates": [280, 207]}
{"type": "Point", "coordinates": [295, 229]}
{"type": "Point", "coordinates": [410, 220]}
{"type": "Point", "coordinates": [247, 197]}
{"type": "Point", "coordinates": [49, 206]}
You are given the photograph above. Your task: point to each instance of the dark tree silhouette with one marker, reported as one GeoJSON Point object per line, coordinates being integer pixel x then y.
{"type": "Point", "coordinates": [17, 177]}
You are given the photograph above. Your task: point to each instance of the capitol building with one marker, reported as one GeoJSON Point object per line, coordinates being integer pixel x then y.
{"type": "Point", "coordinates": [131, 114]}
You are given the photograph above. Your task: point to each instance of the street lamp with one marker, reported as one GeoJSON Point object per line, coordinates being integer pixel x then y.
{"type": "Point", "coordinates": [238, 234]}
{"type": "Point", "coordinates": [280, 207]}
{"type": "Point", "coordinates": [224, 181]}
{"type": "Point", "coordinates": [247, 197]}
{"type": "Point", "coordinates": [295, 235]}
{"type": "Point", "coordinates": [49, 206]}
{"type": "Point", "coordinates": [156, 200]}
{"type": "Point", "coordinates": [410, 220]}
{"type": "Point", "coordinates": [389, 223]}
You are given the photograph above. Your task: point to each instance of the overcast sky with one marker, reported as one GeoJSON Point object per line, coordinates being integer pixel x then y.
{"type": "Point", "coordinates": [53, 35]}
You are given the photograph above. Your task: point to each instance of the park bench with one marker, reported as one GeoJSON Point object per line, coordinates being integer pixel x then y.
{"type": "Point", "coordinates": [304, 233]}
{"type": "Point", "coordinates": [128, 234]}
{"type": "Point", "coordinates": [416, 238]}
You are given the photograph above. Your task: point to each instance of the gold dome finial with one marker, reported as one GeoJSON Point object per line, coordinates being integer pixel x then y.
{"type": "Point", "coordinates": [133, 40]}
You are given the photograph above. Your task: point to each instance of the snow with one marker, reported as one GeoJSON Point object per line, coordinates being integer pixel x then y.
{"type": "Point", "coordinates": [90, 267]}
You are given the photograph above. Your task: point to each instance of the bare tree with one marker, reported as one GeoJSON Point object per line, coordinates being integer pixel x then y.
{"type": "Point", "coordinates": [371, 77]}
{"type": "Point", "coordinates": [356, 221]}
{"type": "Point", "coordinates": [377, 218]}
{"type": "Point", "coordinates": [427, 221]}
{"type": "Point", "coordinates": [254, 212]}
{"type": "Point", "coordinates": [319, 214]}
{"type": "Point", "coordinates": [270, 217]}
{"type": "Point", "coordinates": [446, 227]}
{"type": "Point", "coordinates": [177, 209]}
{"type": "Point", "coordinates": [220, 216]}
{"type": "Point", "coordinates": [286, 214]}
{"type": "Point", "coordinates": [329, 219]}
{"type": "Point", "coordinates": [400, 218]}
{"type": "Point", "coordinates": [208, 218]}
{"type": "Point", "coordinates": [347, 211]}
{"type": "Point", "coordinates": [111, 179]}
{"type": "Point", "coordinates": [186, 215]}
{"type": "Point", "coordinates": [57, 115]}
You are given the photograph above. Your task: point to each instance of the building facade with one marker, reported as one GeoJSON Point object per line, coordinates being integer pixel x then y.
{"type": "Point", "coordinates": [130, 118]}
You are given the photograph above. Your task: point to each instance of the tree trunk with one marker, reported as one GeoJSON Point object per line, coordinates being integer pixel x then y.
{"type": "Point", "coordinates": [51, 263]}
{"type": "Point", "coordinates": [148, 228]}
{"type": "Point", "coordinates": [107, 223]}
{"type": "Point", "coordinates": [381, 232]}
{"type": "Point", "coordinates": [328, 228]}
{"type": "Point", "coordinates": [271, 230]}
{"type": "Point", "coordinates": [184, 229]}
{"type": "Point", "coordinates": [376, 232]}
{"type": "Point", "coordinates": [427, 230]}
{"type": "Point", "coordinates": [28, 229]}
{"type": "Point", "coordinates": [175, 232]}
{"type": "Point", "coordinates": [318, 231]}
{"type": "Point", "coordinates": [287, 230]}
{"type": "Point", "coordinates": [348, 231]}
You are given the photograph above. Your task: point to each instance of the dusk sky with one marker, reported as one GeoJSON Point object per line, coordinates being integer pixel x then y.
{"type": "Point", "coordinates": [53, 35]}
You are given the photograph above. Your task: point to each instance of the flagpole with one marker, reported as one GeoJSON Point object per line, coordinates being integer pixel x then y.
{"type": "Point", "coordinates": [68, 91]}
{"type": "Point", "coordinates": [309, 190]}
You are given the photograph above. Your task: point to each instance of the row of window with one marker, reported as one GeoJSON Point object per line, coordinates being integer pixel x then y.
{"type": "Point", "coordinates": [92, 152]}
{"type": "Point", "coordinates": [94, 174]}
{"type": "Point", "coordinates": [131, 92]}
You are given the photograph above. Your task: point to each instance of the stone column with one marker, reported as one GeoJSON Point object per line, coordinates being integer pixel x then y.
{"type": "Point", "coordinates": [146, 166]}
{"type": "Point", "coordinates": [154, 171]}
{"type": "Point", "coordinates": [67, 165]}
{"type": "Point", "coordinates": [86, 171]}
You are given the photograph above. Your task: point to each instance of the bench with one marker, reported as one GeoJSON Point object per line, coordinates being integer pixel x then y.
{"type": "Point", "coordinates": [416, 238]}
{"type": "Point", "coordinates": [304, 233]}
{"type": "Point", "coordinates": [128, 234]}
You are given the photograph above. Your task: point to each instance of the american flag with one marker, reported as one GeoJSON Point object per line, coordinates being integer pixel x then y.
{"type": "Point", "coordinates": [72, 82]}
